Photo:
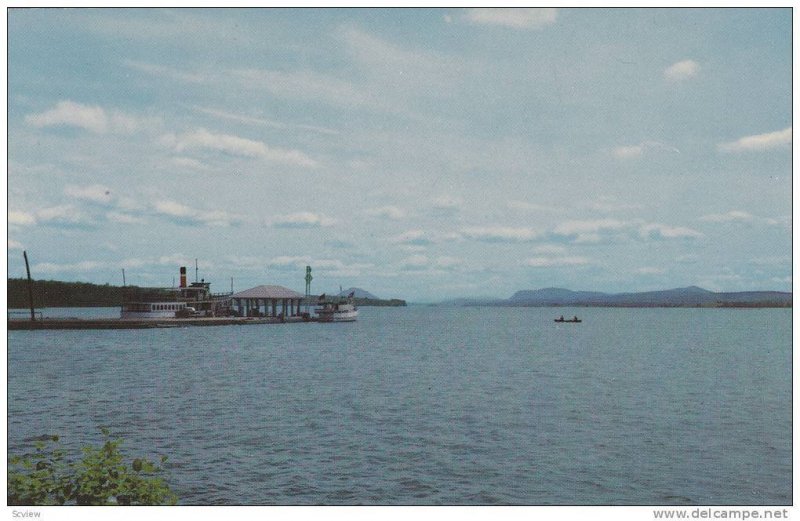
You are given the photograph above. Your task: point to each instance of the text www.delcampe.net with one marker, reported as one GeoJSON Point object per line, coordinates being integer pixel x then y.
{"type": "Point", "coordinates": [721, 513]}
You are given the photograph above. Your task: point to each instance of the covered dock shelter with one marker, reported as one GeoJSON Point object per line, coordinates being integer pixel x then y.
{"type": "Point", "coordinates": [267, 301]}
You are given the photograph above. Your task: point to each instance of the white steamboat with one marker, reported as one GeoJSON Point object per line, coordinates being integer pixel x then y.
{"type": "Point", "coordinates": [188, 300]}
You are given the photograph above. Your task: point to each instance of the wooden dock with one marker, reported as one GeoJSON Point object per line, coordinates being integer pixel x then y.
{"type": "Point", "coordinates": [150, 323]}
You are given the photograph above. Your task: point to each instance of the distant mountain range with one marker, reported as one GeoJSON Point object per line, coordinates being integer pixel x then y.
{"type": "Point", "coordinates": [678, 297]}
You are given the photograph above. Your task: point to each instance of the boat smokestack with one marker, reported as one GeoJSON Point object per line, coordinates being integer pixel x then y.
{"type": "Point", "coordinates": [183, 276]}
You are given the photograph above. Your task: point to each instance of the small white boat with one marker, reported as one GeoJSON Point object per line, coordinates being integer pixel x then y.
{"type": "Point", "coordinates": [341, 310]}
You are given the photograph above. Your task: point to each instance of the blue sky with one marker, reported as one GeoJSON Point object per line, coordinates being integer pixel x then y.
{"type": "Point", "coordinates": [416, 153]}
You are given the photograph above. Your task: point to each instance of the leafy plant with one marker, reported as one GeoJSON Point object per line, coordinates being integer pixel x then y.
{"type": "Point", "coordinates": [101, 477]}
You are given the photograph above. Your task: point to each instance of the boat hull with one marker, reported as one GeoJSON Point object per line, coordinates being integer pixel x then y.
{"type": "Point", "coordinates": [337, 316]}
{"type": "Point", "coordinates": [138, 315]}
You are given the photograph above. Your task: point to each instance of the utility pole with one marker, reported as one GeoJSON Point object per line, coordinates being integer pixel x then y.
{"type": "Point", "coordinates": [309, 278]}
{"type": "Point", "coordinates": [30, 285]}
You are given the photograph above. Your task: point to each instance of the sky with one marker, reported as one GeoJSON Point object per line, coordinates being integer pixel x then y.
{"type": "Point", "coordinates": [423, 154]}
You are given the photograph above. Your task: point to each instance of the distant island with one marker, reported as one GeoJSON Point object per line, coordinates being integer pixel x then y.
{"type": "Point", "coordinates": [366, 299]}
{"type": "Point", "coordinates": [53, 293]}
{"type": "Point", "coordinates": [692, 296]}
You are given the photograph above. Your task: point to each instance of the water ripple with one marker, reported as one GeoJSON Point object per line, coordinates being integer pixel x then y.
{"type": "Point", "coordinates": [426, 407]}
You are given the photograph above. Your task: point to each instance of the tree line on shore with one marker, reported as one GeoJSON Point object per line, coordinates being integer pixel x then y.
{"type": "Point", "coordinates": [54, 293]}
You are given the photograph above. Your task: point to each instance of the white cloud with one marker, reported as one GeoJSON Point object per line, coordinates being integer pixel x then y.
{"type": "Point", "coordinates": [180, 259]}
{"type": "Point", "coordinates": [305, 260]}
{"type": "Point", "coordinates": [331, 267]}
{"type": "Point", "coordinates": [120, 123]}
{"type": "Point", "coordinates": [21, 218]}
{"type": "Point", "coordinates": [662, 231]}
{"type": "Point", "coordinates": [517, 18]}
{"type": "Point", "coordinates": [413, 237]}
{"type": "Point", "coordinates": [93, 193]}
{"type": "Point", "coordinates": [202, 139]}
{"type": "Point", "coordinates": [385, 61]}
{"type": "Point", "coordinates": [500, 234]}
{"type": "Point", "coordinates": [650, 270]}
{"type": "Point", "coordinates": [83, 266]}
{"type": "Point", "coordinates": [302, 220]}
{"type": "Point", "coordinates": [589, 226]}
{"type": "Point", "coordinates": [628, 152]}
{"type": "Point", "coordinates": [549, 249]}
{"type": "Point", "coordinates": [124, 218]}
{"type": "Point", "coordinates": [738, 216]}
{"type": "Point", "coordinates": [681, 70]}
{"type": "Point", "coordinates": [732, 216]}
{"type": "Point", "coordinates": [414, 261]}
{"type": "Point", "coordinates": [63, 215]}
{"type": "Point", "coordinates": [588, 238]}
{"type": "Point", "coordinates": [173, 208]}
{"type": "Point", "coordinates": [287, 260]}
{"type": "Point", "coordinates": [448, 262]}
{"type": "Point", "coordinates": [92, 118]}
{"type": "Point", "coordinates": [14, 245]}
{"type": "Point", "coordinates": [388, 212]}
{"type": "Point", "coordinates": [167, 72]}
{"type": "Point", "coordinates": [635, 151]}
{"type": "Point", "coordinates": [593, 231]}
{"type": "Point", "coordinates": [525, 206]}
{"type": "Point", "coordinates": [554, 262]}
{"type": "Point", "coordinates": [760, 142]}
{"type": "Point", "coordinates": [251, 120]}
{"type": "Point", "coordinates": [447, 203]}
{"type": "Point", "coordinates": [71, 114]}
{"type": "Point", "coordinates": [245, 261]}
{"type": "Point", "coordinates": [608, 205]}
{"type": "Point", "coordinates": [307, 85]}
{"type": "Point", "coordinates": [188, 162]}
{"type": "Point", "coordinates": [179, 213]}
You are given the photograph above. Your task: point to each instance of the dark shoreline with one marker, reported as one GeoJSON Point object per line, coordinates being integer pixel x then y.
{"type": "Point", "coordinates": [59, 294]}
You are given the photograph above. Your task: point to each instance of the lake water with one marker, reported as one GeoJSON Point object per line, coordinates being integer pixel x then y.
{"type": "Point", "coordinates": [432, 405]}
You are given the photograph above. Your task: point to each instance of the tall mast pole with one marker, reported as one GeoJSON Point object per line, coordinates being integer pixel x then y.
{"type": "Point", "coordinates": [30, 285]}
{"type": "Point", "coordinates": [309, 278]}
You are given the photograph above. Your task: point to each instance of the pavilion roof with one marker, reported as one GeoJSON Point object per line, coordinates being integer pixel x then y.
{"type": "Point", "coordinates": [268, 292]}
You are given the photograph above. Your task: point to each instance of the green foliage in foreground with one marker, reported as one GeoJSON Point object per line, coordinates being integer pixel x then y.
{"type": "Point", "coordinates": [102, 477]}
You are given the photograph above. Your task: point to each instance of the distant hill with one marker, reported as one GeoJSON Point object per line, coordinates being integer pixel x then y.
{"type": "Point", "coordinates": [547, 296]}
{"type": "Point", "coordinates": [359, 293]}
{"type": "Point", "coordinates": [366, 299]}
{"type": "Point", "coordinates": [691, 296]}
